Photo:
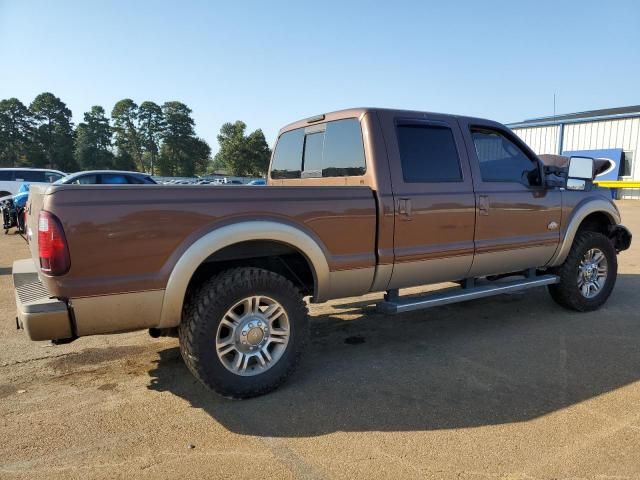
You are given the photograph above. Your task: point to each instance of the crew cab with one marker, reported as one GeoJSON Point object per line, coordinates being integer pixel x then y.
{"type": "Point", "coordinates": [357, 201]}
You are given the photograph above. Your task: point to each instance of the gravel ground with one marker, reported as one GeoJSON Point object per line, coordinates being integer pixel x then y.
{"type": "Point", "coordinates": [507, 387]}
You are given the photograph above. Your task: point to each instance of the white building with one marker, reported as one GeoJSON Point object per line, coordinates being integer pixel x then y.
{"type": "Point", "coordinates": [611, 128]}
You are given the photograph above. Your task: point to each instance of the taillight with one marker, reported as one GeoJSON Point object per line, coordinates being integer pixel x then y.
{"type": "Point", "coordinates": [52, 245]}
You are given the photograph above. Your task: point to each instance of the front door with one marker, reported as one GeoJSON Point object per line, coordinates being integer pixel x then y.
{"type": "Point", "coordinates": [434, 200]}
{"type": "Point", "coordinates": [517, 219]}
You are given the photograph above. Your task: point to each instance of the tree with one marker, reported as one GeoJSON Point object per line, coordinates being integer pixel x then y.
{"type": "Point", "coordinates": [16, 128]}
{"type": "Point", "coordinates": [93, 141]}
{"type": "Point", "coordinates": [127, 135]}
{"type": "Point", "coordinates": [53, 135]}
{"type": "Point", "coordinates": [239, 154]}
{"type": "Point", "coordinates": [182, 153]}
{"type": "Point", "coordinates": [151, 127]}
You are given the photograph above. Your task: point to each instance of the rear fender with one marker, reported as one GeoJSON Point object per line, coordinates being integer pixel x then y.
{"type": "Point", "coordinates": [228, 235]}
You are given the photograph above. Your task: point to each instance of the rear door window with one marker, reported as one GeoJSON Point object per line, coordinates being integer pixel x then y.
{"type": "Point", "coordinates": [428, 154]}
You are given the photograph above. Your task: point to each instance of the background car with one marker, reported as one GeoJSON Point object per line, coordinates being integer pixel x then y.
{"type": "Point", "coordinates": [106, 177]}
{"type": "Point", "coordinates": [12, 178]}
{"type": "Point", "coordinates": [259, 181]}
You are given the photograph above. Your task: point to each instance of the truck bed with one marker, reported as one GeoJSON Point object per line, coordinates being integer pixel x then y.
{"type": "Point", "coordinates": [128, 238]}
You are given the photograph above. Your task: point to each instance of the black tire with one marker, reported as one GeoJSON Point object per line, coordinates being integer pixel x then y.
{"type": "Point", "coordinates": [204, 312]}
{"type": "Point", "coordinates": [566, 293]}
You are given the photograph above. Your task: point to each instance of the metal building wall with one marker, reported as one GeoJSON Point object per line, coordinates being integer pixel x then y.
{"type": "Point", "coordinates": [617, 133]}
{"type": "Point", "coordinates": [540, 139]}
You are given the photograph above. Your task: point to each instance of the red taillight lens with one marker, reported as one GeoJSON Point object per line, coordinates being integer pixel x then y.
{"type": "Point", "coordinates": [52, 245]}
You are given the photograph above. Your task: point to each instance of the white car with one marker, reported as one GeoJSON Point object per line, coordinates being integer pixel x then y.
{"type": "Point", "coordinates": [12, 178]}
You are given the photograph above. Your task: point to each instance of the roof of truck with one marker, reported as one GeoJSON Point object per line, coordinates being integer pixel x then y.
{"type": "Point", "coordinates": [358, 112]}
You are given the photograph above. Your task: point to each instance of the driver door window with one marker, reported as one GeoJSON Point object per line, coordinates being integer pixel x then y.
{"type": "Point", "coordinates": [500, 160]}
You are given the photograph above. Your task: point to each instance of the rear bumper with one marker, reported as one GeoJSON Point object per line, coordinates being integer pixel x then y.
{"type": "Point", "coordinates": [42, 317]}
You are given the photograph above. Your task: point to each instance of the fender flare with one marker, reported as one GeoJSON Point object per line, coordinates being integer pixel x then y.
{"type": "Point", "coordinates": [220, 238]}
{"type": "Point", "coordinates": [579, 214]}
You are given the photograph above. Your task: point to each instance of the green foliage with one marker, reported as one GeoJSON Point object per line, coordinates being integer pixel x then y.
{"type": "Point", "coordinates": [239, 154]}
{"type": "Point", "coordinates": [151, 126]}
{"type": "Point", "coordinates": [16, 129]}
{"type": "Point", "coordinates": [53, 134]}
{"type": "Point", "coordinates": [124, 161]}
{"type": "Point", "coordinates": [127, 134]}
{"type": "Point", "coordinates": [148, 137]}
{"type": "Point", "coordinates": [182, 153]}
{"type": "Point", "coordinates": [93, 141]}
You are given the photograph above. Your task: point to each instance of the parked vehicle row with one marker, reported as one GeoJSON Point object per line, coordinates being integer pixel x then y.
{"type": "Point", "coordinates": [12, 178]}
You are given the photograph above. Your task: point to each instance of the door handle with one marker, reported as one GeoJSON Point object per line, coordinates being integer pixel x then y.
{"type": "Point", "coordinates": [405, 207]}
{"type": "Point", "coordinates": [483, 204]}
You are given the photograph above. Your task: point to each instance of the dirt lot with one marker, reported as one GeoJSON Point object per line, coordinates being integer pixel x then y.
{"type": "Point", "coordinates": [509, 387]}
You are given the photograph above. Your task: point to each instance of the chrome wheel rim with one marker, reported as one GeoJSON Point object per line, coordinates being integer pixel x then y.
{"type": "Point", "coordinates": [592, 273]}
{"type": "Point", "coordinates": [252, 336]}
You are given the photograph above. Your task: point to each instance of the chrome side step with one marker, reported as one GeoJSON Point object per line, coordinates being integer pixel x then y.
{"type": "Point", "coordinates": [455, 295]}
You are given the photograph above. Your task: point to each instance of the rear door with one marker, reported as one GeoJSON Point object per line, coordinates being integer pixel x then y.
{"type": "Point", "coordinates": [518, 218]}
{"type": "Point", "coordinates": [434, 200]}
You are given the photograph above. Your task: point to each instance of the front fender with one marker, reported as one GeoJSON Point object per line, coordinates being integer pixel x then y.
{"type": "Point", "coordinates": [228, 235]}
{"type": "Point", "coordinates": [581, 212]}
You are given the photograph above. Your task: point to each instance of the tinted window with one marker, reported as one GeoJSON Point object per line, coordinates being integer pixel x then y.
{"type": "Point", "coordinates": [85, 180]}
{"type": "Point", "coordinates": [30, 176]}
{"type": "Point", "coordinates": [343, 149]}
{"type": "Point", "coordinates": [6, 175]}
{"type": "Point", "coordinates": [287, 158]}
{"type": "Point", "coordinates": [332, 149]}
{"type": "Point", "coordinates": [502, 161]}
{"type": "Point", "coordinates": [114, 179]}
{"type": "Point", "coordinates": [313, 151]}
{"type": "Point", "coordinates": [428, 154]}
{"type": "Point", "coordinates": [51, 177]}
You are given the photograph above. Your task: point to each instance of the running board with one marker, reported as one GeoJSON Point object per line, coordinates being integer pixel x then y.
{"type": "Point", "coordinates": [455, 295]}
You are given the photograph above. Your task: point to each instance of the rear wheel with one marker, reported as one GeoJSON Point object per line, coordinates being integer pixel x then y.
{"type": "Point", "coordinates": [588, 275]}
{"type": "Point", "coordinates": [243, 332]}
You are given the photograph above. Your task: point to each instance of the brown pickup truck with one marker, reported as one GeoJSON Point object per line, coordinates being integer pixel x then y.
{"type": "Point", "coordinates": [361, 200]}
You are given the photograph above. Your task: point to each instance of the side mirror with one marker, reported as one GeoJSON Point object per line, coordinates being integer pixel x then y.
{"type": "Point", "coordinates": [580, 171]}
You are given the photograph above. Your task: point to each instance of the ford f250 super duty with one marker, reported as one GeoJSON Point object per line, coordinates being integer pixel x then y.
{"type": "Point", "coordinates": [362, 200]}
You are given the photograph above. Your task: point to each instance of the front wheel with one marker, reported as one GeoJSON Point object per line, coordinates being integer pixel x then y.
{"type": "Point", "coordinates": [243, 331]}
{"type": "Point", "coordinates": [588, 274]}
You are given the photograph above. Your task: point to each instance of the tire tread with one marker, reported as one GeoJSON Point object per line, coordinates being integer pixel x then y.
{"type": "Point", "coordinates": [209, 298]}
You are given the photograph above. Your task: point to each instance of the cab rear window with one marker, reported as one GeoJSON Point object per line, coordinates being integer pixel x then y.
{"type": "Point", "coordinates": [332, 149]}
